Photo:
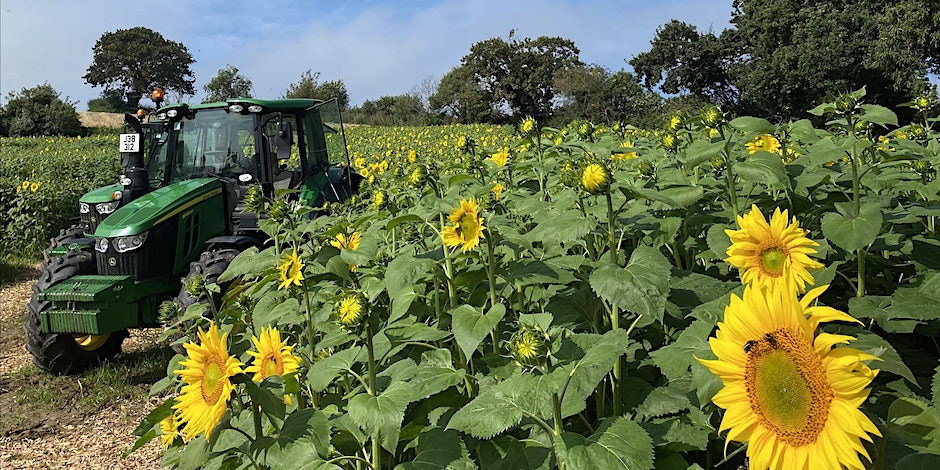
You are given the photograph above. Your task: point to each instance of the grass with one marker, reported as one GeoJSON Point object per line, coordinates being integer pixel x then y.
{"type": "Point", "coordinates": [32, 396]}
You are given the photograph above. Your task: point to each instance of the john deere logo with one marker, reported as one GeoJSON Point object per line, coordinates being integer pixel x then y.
{"type": "Point", "coordinates": [112, 262]}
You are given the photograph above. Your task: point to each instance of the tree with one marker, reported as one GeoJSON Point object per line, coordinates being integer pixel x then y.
{"type": "Point", "coordinates": [228, 83]}
{"type": "Point", "coordinates": [594, 94]}
{"type": "Point", "coordinates": [39, 111]}
{"type": "Point", "coordinates": [460, 98]}
{"type": "Point", "coordinates": [137, 60]}
{"type": "Point", "coordinates": [333, 89]}
{"type": "Point", "coordinates": [110, 101]}
{"type": "Point", "coordinates": [783, 57]}
{"type": "Point", "coordinates": [909, 40]}
{"type": "Point", "coordinates": [308, 87]}
{"type": "Point", "coordinates": [520, 74]}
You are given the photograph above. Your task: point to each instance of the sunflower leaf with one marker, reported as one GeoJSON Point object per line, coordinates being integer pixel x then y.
{"type": "Point", "coordinates": [853, 233]}
{"type": "Point", "coordinates": [676, 358]}
{"type": "Point", "coordinates": [380, 416]}
{"type": "Point", "coordinates": [564, 227]}
{"type": "Point", "coordinates": [763, 168]}
{"type": "Point", "coordinates": [618, 444]}
{"type": "Point", "coordinates": [440, 449]}
{"type": "Point", "coordinates": [641, 287]}
{"type": "Point", "coordinates": [322, 373]}
{"type": "Point", "coordinates": [470, 326]}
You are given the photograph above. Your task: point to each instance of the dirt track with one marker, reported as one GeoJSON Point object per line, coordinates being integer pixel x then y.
{"type": "Point", "coordinates": [62, 436]}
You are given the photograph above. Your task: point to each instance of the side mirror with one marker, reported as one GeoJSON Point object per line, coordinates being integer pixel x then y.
{"type": "Point", "coordinates": [284, 140]}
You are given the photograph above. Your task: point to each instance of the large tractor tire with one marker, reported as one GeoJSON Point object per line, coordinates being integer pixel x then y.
{"type": "Point", "coordinates": [209, 266]}
{"type": "Point", "coordinates": [65, 353]}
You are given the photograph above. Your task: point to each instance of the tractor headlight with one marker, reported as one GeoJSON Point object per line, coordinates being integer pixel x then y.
{"type": "Point", "coordinates": [101, 244]}
{"type": "Point", "coordinates": [125, 244]}
{"type": "Point", "coordinates": [83, 208]}
{"type": "Point", "coordinates": [106, 207]}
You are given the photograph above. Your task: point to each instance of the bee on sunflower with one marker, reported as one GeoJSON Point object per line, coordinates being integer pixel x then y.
{"type": "Point", "coordinates": [789, 392]}
{"type": "Point", "coordinates": [466, 227]}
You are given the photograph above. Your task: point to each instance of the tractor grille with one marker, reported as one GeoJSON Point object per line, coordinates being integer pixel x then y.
{"type": "Point", "coordinates": [153, 259]}
{"type": "Point", "coordinates": [91, 220]}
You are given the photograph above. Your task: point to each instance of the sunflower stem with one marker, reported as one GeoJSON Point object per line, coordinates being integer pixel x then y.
{"type": "Point", "coordinates": [556, 409]}
{"type": "Point", "coordinates": [491, 267]}
{"type": "Point", "coordinates": [256, 416]}
{"type": "Point", "coordinates": [376, 447]}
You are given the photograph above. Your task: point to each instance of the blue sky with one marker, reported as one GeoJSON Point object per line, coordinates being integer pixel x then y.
{"type": "Point", "coordinates": [377, 48]}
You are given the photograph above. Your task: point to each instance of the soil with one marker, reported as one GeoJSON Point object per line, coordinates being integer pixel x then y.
{"type": "Point", "coordinates": [62, 434]}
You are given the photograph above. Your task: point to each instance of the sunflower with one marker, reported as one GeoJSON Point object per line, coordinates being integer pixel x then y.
{"type": "Point", "coordinates": [774, 253]}
{"type": "Point", "coordinates": [273, 356]}
{"type": "Point", "coordinates": [170, 429]}
{"type": "Point", "coordinates": [291, 271]}
{"type": "Point", "coordinates": [349, 310]}
{"type": "Point", "coordinates": [497, 190]}
{"type": "Point", "coordinates": [466, 226]}
{"type": "Point", "coordinates": [204, 397]}
{"type": "Point", "coordinates": [500, 158]}
{"type": "Point", "coordinates": [765, 142]}
{"type": "Point", "coordinates": [594, 178]}
{"type": "Point", "coordinates": [788, 392]}
{"type": "Point", "coordinates": [352, 243]}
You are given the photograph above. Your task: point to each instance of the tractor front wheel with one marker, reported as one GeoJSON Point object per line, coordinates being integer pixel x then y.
{"type": "Point", "coordinates": [65, 353]}
{"type": "Point", "coordinates": [205, 271]}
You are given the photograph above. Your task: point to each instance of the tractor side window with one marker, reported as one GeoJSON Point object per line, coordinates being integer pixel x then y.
{"type": "Point", "coordinates": [285, 171]}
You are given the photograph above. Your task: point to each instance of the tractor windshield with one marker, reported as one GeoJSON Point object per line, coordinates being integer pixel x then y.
{"type": "Point", "coordinates": [211, 142]}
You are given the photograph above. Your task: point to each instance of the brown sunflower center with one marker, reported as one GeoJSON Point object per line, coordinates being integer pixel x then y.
{"type": "Point", "coordinates": [787, 386]}
{"type": "Point", "coordinates": [773, 260]}
{"type": "Point", "coordinates": [212, 382]}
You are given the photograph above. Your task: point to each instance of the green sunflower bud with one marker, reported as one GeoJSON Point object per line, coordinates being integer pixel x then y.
{"type": "Point", "coordinates": [280, 210]}
{"type": "Point", "coordinates": [922, 103]}
{"type": "Point", "coordinates": [169, 311]}
{"type": "Point", "coordinates": [921, 167]}
{"type": "Point", "coordinates": [846, 103]}
{"type": "Point", "coordinates": [718, 164]}
{"type": "Point", "coordinates": [254, 199]}
{"type": "Point", "coordinates": [529, 346]}
{"type": "Point", "coordinates": [196, 286]}
{"type": "Point", "coordinates": [669, 141]}
{"type": "Point", "coordinates": [711, 115]}
{"type": "Point", "coordinates": [917, 131]}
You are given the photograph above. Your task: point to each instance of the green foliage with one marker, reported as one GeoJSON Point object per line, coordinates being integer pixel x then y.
{"type": "Point", "coordinates": [41, 180]}
{"type": "Point", "coordinates": [309, 87]}
{"type": "Point", "coordinates": [137, 60]}
{"type": "Point", "coordinates": [624, 285]}
{"type": "Point", "coordinates": [781, 58]}
{"type": "Point", "coordinates": [228, 83]}
{"type": "Point", "coordinates": [111, 101]}
{"type": "Point", "coordinates": [521, 73]}
{"type": "Point", "coordinates": [38, 111]}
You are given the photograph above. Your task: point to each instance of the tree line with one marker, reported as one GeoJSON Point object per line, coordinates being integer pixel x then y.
{"type": "Point", "coordinates": [777, 60]}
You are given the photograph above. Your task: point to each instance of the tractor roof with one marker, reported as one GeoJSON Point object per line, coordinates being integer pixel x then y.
{"type": "Point", "coordinates": [291, 104]}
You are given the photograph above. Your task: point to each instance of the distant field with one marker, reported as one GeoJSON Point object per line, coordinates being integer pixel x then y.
{"type": "Point", "coordinates": [94, 119]}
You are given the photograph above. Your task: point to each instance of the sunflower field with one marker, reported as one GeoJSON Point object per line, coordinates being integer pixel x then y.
{"type": "Point", "coordinates": [715, 294]}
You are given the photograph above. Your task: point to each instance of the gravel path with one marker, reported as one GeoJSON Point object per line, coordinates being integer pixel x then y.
{"type": "Point", "coordinates": [90, 440]}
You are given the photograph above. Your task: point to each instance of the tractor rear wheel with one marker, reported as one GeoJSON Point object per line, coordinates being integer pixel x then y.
{"type": "Point", "coordinates": [65, 353]}
{"type": "Point", "coordinates": [206, 270]}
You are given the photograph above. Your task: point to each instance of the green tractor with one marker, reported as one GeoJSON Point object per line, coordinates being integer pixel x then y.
{"type": "Point", "coordinates": [177, 212]}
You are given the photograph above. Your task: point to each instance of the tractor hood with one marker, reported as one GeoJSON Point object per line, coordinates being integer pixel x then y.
{"type": "Point", "coordinates": [149, 210]}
